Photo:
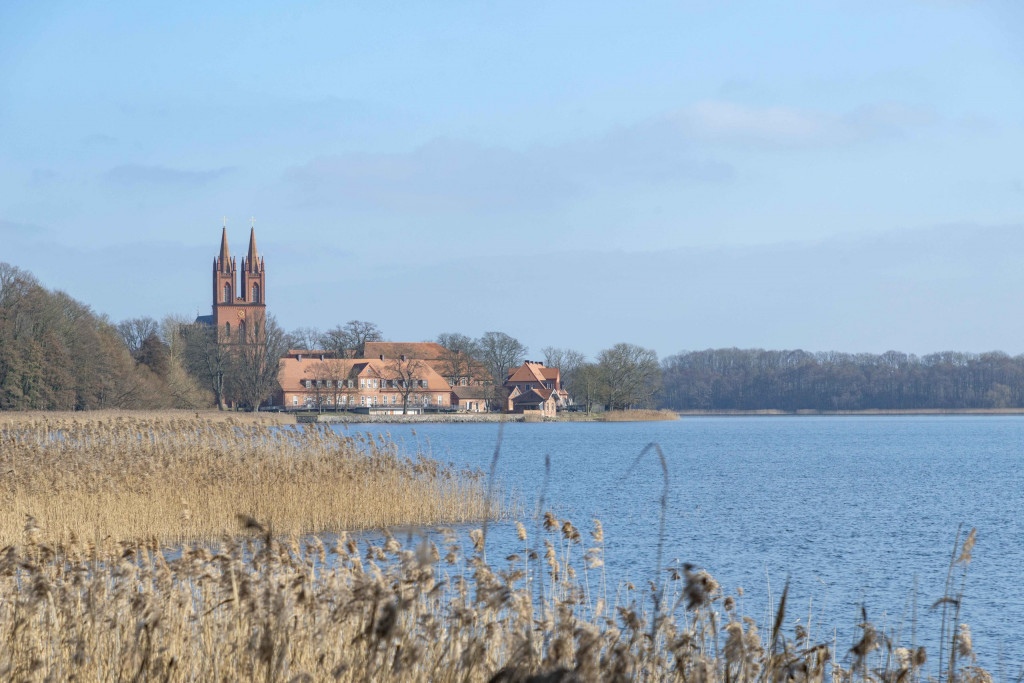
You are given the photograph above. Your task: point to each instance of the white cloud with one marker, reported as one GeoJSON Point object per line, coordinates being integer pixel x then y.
{"type": "Point", "coordinates": [133, 174]}
{"type": "Point", "coordinates": [447, 175]}
{"type": "Point", "coordinates": [723, 121]}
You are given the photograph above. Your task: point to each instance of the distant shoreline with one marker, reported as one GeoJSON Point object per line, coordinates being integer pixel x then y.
{"type": "Point", "coordinates": [851, 413]}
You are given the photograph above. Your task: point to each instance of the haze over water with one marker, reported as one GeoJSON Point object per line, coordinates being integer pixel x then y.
{"type": "Point", "coordinates": [852, 508]}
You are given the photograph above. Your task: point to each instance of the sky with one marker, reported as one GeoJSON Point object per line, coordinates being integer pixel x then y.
{"type": "Point", "coordinates": [825, 175]}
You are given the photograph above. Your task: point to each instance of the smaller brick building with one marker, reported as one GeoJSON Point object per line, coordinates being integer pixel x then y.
{"type": "Point", "coordinates": [533, 386]}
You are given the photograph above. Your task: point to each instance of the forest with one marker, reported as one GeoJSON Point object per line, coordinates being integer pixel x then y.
{"type": "Point", "coordinates": [756, 379]}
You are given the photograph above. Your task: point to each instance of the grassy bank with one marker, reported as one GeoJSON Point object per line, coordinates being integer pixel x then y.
{"type": "Point", "coordinates": [620, 416]}
{"type": "Point", "coordinates": [272, 610]}
{"type": "Point", "coordinates": [176, 476]}
{"type": "Point", "coordinates": [639, 415]}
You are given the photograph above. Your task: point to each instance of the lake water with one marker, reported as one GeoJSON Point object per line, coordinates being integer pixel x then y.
{"type": "Point", "coordinates": [852, 508]}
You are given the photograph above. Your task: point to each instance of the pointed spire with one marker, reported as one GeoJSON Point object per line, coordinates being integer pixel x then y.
{"type": "Point", "coordinates": [252, 260]}
{"type": "Point", "coordinates": [225, 257]}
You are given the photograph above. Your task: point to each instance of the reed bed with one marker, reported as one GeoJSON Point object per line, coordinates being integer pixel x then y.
{"type": "Point", "coordinates": [284, 609]}
{"type": "Point", "coordinates": [179, 477]}
{"type": "Point", "coordinates": [639, 415]}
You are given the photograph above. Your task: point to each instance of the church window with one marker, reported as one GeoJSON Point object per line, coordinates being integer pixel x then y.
{"type": "Point", "coordinates": [255, 293]}
{"type": "Point", "coordinates": [241, 331]}
{"type": "Point", "coordinates": [227, 328]}
{"type": "Point", "coordinates": [227, 293]}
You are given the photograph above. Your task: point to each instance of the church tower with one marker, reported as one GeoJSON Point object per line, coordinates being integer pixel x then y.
{"type": "Point", "coordinates": [236, 312]}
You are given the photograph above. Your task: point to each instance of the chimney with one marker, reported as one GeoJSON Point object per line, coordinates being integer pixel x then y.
{"type": "Point", "coordinates": [321, 356]}
{"type": "Point", "coordinates": [403, 358]}
{"type": "Point", "coordinates": [299, 356]}
{"type": "Point", "coordinates": [382, 356]}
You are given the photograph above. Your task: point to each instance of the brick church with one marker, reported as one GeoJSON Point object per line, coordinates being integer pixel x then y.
{"type": "Point", "coordinates": [237, 308]}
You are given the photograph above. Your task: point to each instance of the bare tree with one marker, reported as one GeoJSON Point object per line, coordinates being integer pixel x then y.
{"type": "Point", "coordinates": [305, 338]}
{"type": "Point", "coordinates": [631, 375]}
{"type": "Point", "coordinates": [182, 386]}
{"type": "Point", "coordinates": [256, 361]}
{"type": "Point", "coordinates": [134, 332]}
{"type": "Point", "coordinates": [349, 340]}
{"type": "Point", "coordinates": [459, 359]}
{"type": "Point", "coordinates": [171, 334]}
{"type": "Point", "coordinates": [588, 384]}
{"type": "Point", "coordinates": [408, 373]}
{"type": "Point", "coordinates": [207, 359]}
{"type": "Point", "coordinates": [499, 352]}
{"type": "Point", "coordinates": [568, 362]}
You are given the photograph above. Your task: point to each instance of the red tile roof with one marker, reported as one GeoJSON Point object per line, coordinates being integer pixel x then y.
{"type": "Point", "coordinates": [532, 396]}
{"type": "Point", "coordinates": [527, 372]}
{"type": "Point", "coordinates": [419, 350]}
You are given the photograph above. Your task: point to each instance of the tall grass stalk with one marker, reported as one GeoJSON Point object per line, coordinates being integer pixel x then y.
{"type": "Point", "coordinates": [271, 608]}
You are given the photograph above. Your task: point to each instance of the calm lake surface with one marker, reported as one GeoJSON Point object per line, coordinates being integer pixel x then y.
{"type": "Point", "coordinates": [854, 509]}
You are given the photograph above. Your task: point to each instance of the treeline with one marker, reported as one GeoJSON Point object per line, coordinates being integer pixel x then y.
{"type": "Point", "coordinates": [56, 354]}
{"type": "Point", "coordinates": [755, 379]}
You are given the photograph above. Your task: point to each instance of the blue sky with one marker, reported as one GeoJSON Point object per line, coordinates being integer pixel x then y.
{"type": "Point", "coordinates": [817, 175]}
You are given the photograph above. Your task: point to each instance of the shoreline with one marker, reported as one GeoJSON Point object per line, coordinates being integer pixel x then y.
{"type": "Point", "coordinates": [849, 413]}
{"type": "Point", "coordinates": [458, 418]}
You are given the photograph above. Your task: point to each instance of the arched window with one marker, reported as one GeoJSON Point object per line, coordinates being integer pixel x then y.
{"type": "Point", "coordinates": [256, 293]}
{"type": "Point", "coordinates": [241, 332]}
{"type": "Point", "coordinates": [227, 292]}
{"type": "Point", "coordinates": [227, 328]}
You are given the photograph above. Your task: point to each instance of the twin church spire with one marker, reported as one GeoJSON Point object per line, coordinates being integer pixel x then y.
{"type": "Point", "coordinates": [236, 300]}
{"type": "Point", "coordinates": [252, 262]}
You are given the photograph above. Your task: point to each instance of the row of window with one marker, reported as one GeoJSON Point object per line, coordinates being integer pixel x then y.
{"type": "Point", "coordinates": [424, 399]}
{"type": "Point", "coordinates": [364, 383]}
{"type": "Point", "coordinates": [326, 383]}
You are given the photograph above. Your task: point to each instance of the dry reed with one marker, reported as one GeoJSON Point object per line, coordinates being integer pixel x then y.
{"type": "Point", "coordinates": [284, 609]}
{"type": "Point", "coordinates": [178, 477]}
{"type": "Point", "coordinates": [639, 415]}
